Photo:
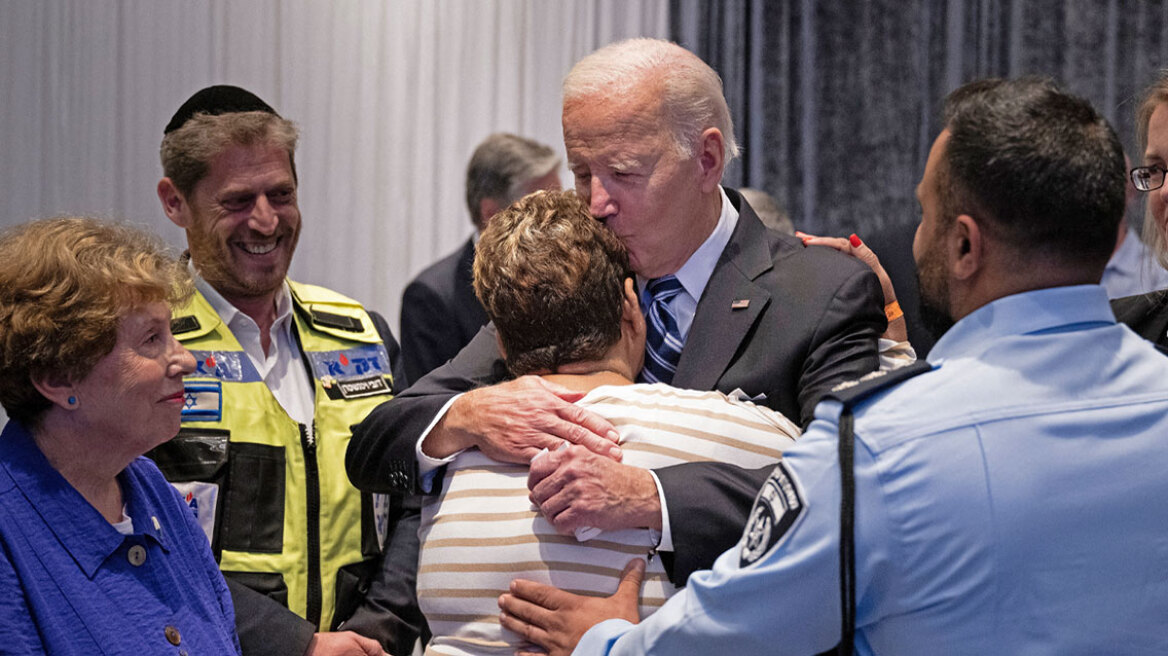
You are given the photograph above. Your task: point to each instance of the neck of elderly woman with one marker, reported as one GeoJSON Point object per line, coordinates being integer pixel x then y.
{"type": "Point", "coordinates": [90, 465]}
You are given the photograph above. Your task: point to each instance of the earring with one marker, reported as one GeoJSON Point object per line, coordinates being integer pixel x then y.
{"type": "Point", "coordinates": [72, 400]}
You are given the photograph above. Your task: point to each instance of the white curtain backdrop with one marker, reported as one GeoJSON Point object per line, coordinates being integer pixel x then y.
{"type": "Point", "coordinates": [391, 97]}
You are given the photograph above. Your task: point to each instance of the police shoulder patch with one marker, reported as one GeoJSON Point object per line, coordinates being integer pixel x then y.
{"type": "Point", "coordinates": [776, 508]}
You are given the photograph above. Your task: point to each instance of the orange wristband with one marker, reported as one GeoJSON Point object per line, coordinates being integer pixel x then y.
{"type": "Point", "coordinates": [892, 311]}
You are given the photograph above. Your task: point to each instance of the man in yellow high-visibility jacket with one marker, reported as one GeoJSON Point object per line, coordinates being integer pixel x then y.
{"type": "Point", "coordinates": [284, 370]}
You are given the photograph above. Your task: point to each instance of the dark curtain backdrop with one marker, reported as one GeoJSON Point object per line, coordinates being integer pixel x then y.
{"type": "Point", "coordinates": [836, 103]}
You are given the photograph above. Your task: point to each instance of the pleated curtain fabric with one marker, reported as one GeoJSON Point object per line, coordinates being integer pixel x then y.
{"type": "Point", "coordinates": [835, 104]}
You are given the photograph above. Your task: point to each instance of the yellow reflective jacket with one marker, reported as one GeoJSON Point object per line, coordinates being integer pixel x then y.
{"type": "Point", "coordinates": [272, 494]}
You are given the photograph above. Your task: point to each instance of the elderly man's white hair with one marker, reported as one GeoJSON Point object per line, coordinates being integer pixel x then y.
{"type": "Point", "coordinates": [691, 90]}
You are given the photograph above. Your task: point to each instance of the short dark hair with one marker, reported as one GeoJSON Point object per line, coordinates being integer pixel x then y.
{"type": "Point", "coordinates": [551, 278]}
{"type": "Point", "coordinates": [1041, 166]}
{"type": "Point", "coordinates": [187, 151]}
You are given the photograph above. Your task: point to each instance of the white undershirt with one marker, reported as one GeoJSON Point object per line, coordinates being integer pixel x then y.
{"type": "Point", "coordinates": [125, 525]}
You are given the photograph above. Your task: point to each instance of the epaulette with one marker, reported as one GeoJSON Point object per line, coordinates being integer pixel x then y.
{"type": "Point", "coordinates": [182, 325]}
{"type": "Point", "coordinates": [852, 393]}
{"type": "Point", "coordinates": [339, 321]}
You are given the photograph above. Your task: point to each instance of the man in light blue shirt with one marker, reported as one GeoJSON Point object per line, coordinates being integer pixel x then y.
{"type": "Point", "coordinates": [1009, 499]}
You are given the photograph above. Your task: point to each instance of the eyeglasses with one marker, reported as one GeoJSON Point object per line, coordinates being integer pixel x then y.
{"type": "Point", "coordinates": [1147, 178]}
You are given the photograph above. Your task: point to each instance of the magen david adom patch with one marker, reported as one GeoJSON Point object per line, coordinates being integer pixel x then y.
{"type": "Point", "coordinates": [778, 504]}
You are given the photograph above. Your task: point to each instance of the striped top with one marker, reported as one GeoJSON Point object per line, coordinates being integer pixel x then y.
{"type": "Point", "coordinates": [482, 531]}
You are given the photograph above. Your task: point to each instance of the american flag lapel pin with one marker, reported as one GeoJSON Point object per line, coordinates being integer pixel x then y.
{"type": "Point", "coordinates": [740, 304]}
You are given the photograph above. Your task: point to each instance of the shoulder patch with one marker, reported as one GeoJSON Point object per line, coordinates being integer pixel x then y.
{"type": "Point", "coordinates": [851, 393]}
{"type": "Point", "coordinates": [777, 507]}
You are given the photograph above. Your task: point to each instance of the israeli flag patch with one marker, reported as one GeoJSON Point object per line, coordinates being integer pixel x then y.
{"type": "Point", "coordinates": [203, 400]}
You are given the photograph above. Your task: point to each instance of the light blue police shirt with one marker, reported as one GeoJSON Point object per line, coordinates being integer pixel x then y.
{"type": "Point", "coordinates": [1011, 501]}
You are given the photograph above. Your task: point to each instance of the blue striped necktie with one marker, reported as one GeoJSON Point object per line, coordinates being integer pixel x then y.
{"type": "Point", "coordinates": [663, 338]}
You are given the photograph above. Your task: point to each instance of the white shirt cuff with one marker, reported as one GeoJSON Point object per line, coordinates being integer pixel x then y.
{"type": "Point", "coordinates": [664, 539]}
{"type": "Point", "coordinates": [427, 466]}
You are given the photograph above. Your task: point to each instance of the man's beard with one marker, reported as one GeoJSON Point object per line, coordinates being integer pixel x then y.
{"type": "Point", "coordinates": [935, 320]}
{"type": "Point", "coordinates": [214, 258]}
{"type": "Point", "coordinates": [933, 288]}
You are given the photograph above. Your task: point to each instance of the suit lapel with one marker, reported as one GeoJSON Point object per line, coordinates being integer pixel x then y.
{"type": "Point", "coordinates": [730, 304]}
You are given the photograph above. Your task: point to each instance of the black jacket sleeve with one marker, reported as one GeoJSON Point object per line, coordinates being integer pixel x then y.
{"type": "Point", "coordinates": [381, 455]}
{"type": "Point", "coordinates": [393, 349]}
{"type": "Point", "coordinates": [389, 611]}
{"type": "Point", "coordinates": [265, 626]}
{"type": "Point", "coordinates": [843, 341]}
{"type": "Point", "coordinates": [709, 504]}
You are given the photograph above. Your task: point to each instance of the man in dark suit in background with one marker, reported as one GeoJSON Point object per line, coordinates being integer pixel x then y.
{"type": "Point", "coordinates": [440, 313]}
{"type": "Point", "coordinates": [648, 134]}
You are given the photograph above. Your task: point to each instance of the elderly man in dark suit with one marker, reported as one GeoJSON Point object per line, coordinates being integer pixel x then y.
{"type": "Point", "coordinates": [731, 305]}
{"type": "Point", "coordinates": [440, 313]}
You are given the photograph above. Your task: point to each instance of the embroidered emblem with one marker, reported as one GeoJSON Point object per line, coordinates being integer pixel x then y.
{"type": "Point", "coordinates": [352, 373]}
{"type": "Point", "coordinates": [231, 366]}
{"type": "Point", "coordinates": [203, 400]}
{"type": "Point", "coordinates": [776, 508]}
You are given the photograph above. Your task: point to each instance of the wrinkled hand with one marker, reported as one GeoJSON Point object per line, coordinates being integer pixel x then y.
{"type": "Point", "coordinates": [574, 487]}
{"type": "Point", "coordinates": [343, 643]}
{"type": "Point", "coordinates": [855, 247]}
{"type": "Point", "coordinates": [556, 620]}
{"type": "Point", "coordinates": [513, 421]}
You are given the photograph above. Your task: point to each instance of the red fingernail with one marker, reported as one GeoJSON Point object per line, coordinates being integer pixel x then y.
{"type": "Point", "coordinates": [855, 241]}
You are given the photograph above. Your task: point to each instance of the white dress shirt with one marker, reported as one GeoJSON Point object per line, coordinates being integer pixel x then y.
{"type": "Point", "coordinates": [282, 367]}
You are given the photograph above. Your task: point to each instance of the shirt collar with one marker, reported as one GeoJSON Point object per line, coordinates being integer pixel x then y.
{"type": "Point", "coordinates": [696, 272]}
{"type": "Point", "coordinates": [1029, 312]}
{"type": "Point", "coordinates": [231, 315]}
{"type": "Point", "coordinates": [1127, 258]}
{"type": "Point", "coordinates": [80, 528]}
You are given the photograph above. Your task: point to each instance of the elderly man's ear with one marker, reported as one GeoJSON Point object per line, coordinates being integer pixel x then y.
{"type": "Point", "coordinates": [174, 204]}
{"type": "Point", "coordinates": [711, 158]}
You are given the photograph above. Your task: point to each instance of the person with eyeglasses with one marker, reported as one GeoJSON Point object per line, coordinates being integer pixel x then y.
{"type": "Point", "coordinates": [1147, 314]}
{"type": "Point", "coordinates": [1133, 267]}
